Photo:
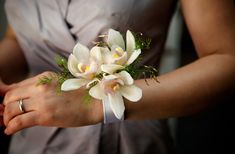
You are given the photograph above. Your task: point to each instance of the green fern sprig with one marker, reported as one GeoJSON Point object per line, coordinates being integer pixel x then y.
{"type": "Point", "coordinates": [150, 72]}
{"type": "Point", "coordinates": [64, 74]}
{"type": "Point", "coordinates": [62, 63]}
{"type": "Point", "coordinates": [144, 71]}
{"type": "Point", "coordinates": [45, 80]}
{"type": "Point", "coordinates": [133, 69]}
{"type": "Point", "coordinates": [142, 42]}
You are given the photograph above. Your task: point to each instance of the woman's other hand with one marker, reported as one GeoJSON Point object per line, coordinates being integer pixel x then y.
{"type": "Point", "coordinates": [44, 105]}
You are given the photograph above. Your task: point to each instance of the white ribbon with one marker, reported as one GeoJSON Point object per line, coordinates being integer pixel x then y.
{"type": "Point", "coordinates": [109, 116]}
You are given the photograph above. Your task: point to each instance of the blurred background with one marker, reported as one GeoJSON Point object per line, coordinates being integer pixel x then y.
{"type": "Point", "coordinates": [210, 131]}
{"type": "Point", "coordinates": [207, 132]}
{"type": "Point", "coordinates": [2, 19]}
{"type": "Point", "coordinates": [4, 140]}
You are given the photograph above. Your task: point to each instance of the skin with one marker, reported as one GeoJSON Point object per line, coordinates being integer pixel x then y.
{"type": "Point", "coordinates": [13, 58]}
{"type": "Point", "coordinates": [203, 83]}
{"type": "Point", "coordinates": [9, 52]}
{"type": "Point", "coordinates": [187, 90]}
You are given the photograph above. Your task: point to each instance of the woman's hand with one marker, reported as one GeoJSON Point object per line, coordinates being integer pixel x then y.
{"type": "Point", "coordinates": [43, 105]}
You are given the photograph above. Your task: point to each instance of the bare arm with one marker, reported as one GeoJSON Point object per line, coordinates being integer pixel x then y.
{"type": "Point", "coordinates": [13, 66]}
{"type": "Point", "coordinates": [205, 82]}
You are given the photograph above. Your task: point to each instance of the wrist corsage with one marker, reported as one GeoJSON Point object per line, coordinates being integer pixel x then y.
{"type": "Point", "coordinates": [107, 71]}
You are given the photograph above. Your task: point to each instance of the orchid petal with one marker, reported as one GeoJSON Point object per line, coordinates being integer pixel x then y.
{"type": "Point", "coordinates": [81, 52]}
{"type": "Point", "coordinates": [130, 42]}
{"type": "Point", "coordinates": [121, 60]}
{"type": "Point", "coordinates": [72, 65]}
{"type": "Point", "coordinates": [132, 92]}
{"type": "Point", "coordinates": [110, 77]}
{"type": "Point", "coordinates": [115, 38]}
{"type": "Point", "coordinates": [111, 68]}
{"type": "Point", "coordinates": [72, 84]}
{"type": "Point", "coordinates": [106, 54]}
{"type": "Point", "coordinates": [126, 78]}
{"type": "Point", "coordinates": [97, 92]}
{"type": "Point", "coordinates": [133, 57]}
{"type": "Point", "coordinates": [117, 104]}
{"type": "Point", "coordinates": [96, 54]}
{"type": "Point", "coordinates": [93, 67]}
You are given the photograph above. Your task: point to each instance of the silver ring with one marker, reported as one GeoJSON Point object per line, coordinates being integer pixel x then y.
{"type": "Point", "coordinates": [21, 106]}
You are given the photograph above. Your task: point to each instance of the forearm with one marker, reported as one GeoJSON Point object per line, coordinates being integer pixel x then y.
{"type": "Point", "coordinates": [187, 90]}
{"type": "Point", "coordinates": [207, 81]}
{"type": "Point", "coordinates": [13, 66]}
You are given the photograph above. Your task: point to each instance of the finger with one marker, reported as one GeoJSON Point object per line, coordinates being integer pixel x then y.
{"type": "Point", "coordinates": [35, 80]}
{"type": "Point", "coordinates": [20, 122]}
{"type": "Point", "coordinates": [19, 90]}
{"type": "Point", "coordinates": [26, 82]}
{"type": "Point", "coordinates": [17, 93]}
{"type": "Point", "coordinates": [13, 109]}
{"type": "Point", "coordinates": [25, 89]}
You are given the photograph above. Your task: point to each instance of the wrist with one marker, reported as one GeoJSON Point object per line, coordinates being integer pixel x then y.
{"type": "Point", "coordinates": [109, 115]}
{"type": "Point", "coordinates": [97, 111]}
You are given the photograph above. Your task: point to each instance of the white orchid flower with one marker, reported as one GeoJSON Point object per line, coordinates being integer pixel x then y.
{"type": "Point", "coordinates": [113, 88]}
{"type": "Point", "coordinates": [84, 65]}
{"type": "Point", "coordinates": [120, 54]}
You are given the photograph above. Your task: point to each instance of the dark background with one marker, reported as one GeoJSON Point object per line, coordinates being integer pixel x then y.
{"type": "Point", "coordinates": [4, 139]}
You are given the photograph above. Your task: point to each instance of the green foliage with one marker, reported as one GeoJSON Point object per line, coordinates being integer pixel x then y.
{"type": "Point", "coordinates": [150, 72]}
{"type": "Point", "coordinates": [62, 63]}
{"type": "Point", "coordinates": [133, 69]}
{"type": "Point", "coordinates": [45, 80]}
{"type": "Point", "coordinates": [137, 71]}
{"type": "Point", "coordinates": [59, 77]}
{"type": "Point", "coordinates": [87, 98]}
{"type": "Point", "coordinates": [64, 74]}
{"type": "Point", "coordinates": [142, 42]}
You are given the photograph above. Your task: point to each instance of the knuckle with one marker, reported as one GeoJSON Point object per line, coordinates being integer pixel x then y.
{"type": "Point", "coordinates": [18, 122]}
{"type": "Point", "coordinates": [5, 120]}
{"type": "Point", "coordinates": [47, 73]}
{"type": "Point", "coordinates": [43, 88]}
{"type": "Point", "coordinates": [7, 111]}
{"type": "Point", "coordinates": [7, 97]}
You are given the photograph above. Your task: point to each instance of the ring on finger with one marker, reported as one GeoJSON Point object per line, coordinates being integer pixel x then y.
{"type": "Point", "coordinates": [21, 105]}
